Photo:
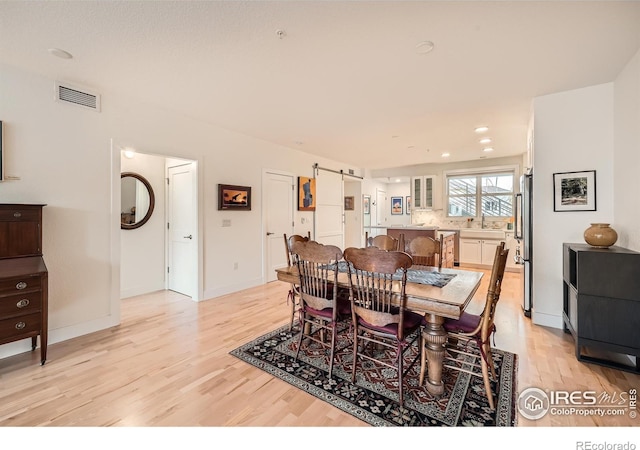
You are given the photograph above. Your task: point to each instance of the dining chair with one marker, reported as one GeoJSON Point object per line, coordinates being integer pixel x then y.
{"type": "Point", "coordinates": [383, 242]}
{"type": "Point", "coordinates": [468, 346]}
{"type": "Point", "coordinates": [379, 315]}
{"type": "Point", "coordinates": [321, 308]}
{"type": "Point", "coordinates": [423, 248]}
{"type": "Point", "coordinates": [293, 295]}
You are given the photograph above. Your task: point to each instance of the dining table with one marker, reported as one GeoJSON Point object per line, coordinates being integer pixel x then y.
{"type": "Point", "coordinates": [438, 294]}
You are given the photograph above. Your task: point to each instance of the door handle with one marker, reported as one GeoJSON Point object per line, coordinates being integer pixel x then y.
{"type": "Point", "coordinates": [188, 237]}
{"type": "Point", "coordinates": [269, 233]}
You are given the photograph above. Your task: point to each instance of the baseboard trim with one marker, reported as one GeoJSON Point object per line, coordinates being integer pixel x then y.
{"type": "Point", "coordinates": [546, 320]}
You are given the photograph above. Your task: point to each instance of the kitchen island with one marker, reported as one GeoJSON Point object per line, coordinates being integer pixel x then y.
{"type": "Point", "coordinates": [448, 239]}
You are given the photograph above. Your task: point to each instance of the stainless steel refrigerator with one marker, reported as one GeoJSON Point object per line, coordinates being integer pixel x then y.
{"type": "Point", "coordinates": [523, 232]}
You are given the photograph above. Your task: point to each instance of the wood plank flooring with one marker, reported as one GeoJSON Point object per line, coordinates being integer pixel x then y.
{"type": "Point", "coordinates": [168, 364]}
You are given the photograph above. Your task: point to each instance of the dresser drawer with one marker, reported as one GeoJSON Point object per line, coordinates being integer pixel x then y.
{"type": "Point", "coordinates": [17, 285]}
{"type": "Point", "coordinates": [20, 325]}
{"type": "Point", "coordinates": [27, 303]}
{"type": "Point", "coordinates": [20, 215]}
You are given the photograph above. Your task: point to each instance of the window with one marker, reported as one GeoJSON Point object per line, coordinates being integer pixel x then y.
{"type": "Point", "coordinates": [475, 194]}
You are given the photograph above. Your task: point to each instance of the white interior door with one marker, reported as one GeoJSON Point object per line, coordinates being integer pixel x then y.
{"type": "Point", "coordinates": [182, 255]}
{"type": "Point", "coordinates": [278, 219]}
{"type": "Point", "coordinates": [381, 211]}
{"type": "Point", "coordinates": [329, 215]}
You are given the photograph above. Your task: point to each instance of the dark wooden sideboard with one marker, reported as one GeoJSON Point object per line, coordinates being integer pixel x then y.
{"type": "Point", "coordinates": [23, 277]}
{"type": "Point", "coordinates": [601, 309]}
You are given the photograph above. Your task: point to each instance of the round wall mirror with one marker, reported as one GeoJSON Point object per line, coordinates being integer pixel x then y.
{"type": "Point", "coordinates": [137, 200]}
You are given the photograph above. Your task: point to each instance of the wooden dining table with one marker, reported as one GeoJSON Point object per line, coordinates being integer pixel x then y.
{"type": "Point", "coordinates": [436, 303]}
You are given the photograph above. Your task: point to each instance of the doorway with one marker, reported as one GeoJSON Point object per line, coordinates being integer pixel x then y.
{"type": "Point", "coordinates": [182, 233]}
{"type": "Point", "coordinates": [144, 253]}
{"type": "Point", "coordinates": [277, 209]}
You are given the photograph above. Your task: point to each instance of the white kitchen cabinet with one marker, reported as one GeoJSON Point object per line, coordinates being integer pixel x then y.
{"type": "Point", "coordinates": [425, 192]}
{"type": "Point", "coordinates": [478, 251]}
{"type": "Point", "coordinates": [470, 251]}
{"type": "Point", "coordinates": [489, 251]}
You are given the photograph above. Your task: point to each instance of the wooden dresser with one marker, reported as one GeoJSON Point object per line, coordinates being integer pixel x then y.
{"type": "Point", "coordinates": [23, 276]}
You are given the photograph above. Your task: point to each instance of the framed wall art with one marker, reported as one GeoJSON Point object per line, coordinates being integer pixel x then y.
{"type": "Point", "coordinates": [574, 191]}
{"type": "Point", "coordinates": [396, 205]}
{"type": "Point", "coordinates": [306, 194]}
{"type": "Point", "coordinates": [407, 206]}
{"type": "Point", "coordinates": [349, 203]}
{"type": "Point", "coordinates": [232, 197]}
{"type": "Point", "coordinates": [366, 204]}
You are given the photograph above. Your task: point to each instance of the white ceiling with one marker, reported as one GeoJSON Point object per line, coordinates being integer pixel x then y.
{"type": "Point", "coordinates": [345, 81]}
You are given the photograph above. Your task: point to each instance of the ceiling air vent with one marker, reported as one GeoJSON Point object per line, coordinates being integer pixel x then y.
{"type": "Point", "coordinates": [77, 96]}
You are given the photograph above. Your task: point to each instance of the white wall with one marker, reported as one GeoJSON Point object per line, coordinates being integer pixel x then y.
{"type": "Point", "coordinates": [626, 161]}
{"type": "Point", "coordinates": [573, 131]}
{"type": "Point", "coordinates": [142, 250]}
{"type": "Point", "coordinates": [64, 158]}
{"type": "Point", "coordinates": [398, 190]}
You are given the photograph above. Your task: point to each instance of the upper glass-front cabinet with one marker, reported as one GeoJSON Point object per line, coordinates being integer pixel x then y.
{"type": "Point", "coordinates": [424, 192]}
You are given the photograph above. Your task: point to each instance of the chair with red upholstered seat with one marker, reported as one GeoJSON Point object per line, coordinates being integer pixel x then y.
{"type": "Point", "coordinates": [423, 247]}
{"type": "Point", "coordinates": [383, 242]}
{"type": "Point", "coordinates": [468, 347]}
{"type": "Point", "coordinates": [293, 294]}
{"type": "Point", "coordinates": [321, 306]}
{"type": "Point", "coordinates": [379, 315]}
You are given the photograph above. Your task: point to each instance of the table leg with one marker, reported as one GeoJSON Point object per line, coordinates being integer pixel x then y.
{"type": "Point", "coordinates": [435, 338]}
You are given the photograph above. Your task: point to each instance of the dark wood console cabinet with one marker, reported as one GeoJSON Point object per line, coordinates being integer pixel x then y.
{"type": "Point", "coordinates": [23, 276]}
{"type": "Point", "coordinates": [601, 307]}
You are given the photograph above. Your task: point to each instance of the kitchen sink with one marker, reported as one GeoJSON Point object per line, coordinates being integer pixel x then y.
{"type": "Point", "coordinates": [481, 234]}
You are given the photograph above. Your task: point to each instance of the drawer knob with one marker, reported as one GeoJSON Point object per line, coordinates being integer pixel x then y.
{"type": "Point", "coordinates": [21, 285]}
{"type": "Point", "coordinates": [17, 214]}
{"type": "Point", "coordinates": [22, 303]}
{"type": "Point", "coordinates": [20, 325]}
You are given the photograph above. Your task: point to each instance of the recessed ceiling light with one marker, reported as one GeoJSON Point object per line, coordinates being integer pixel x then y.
{"type": "Point", "coordinates": [482, 129]}
{"type": "Point", "coordinates": [60, 53]}
{"type": "Point", "coordinates": [485, 140]}
{"type": "Point", "coordinates": [129, 154]}
{"type": "Point", "coordinates": [398, 180]}
{"type": "Point", "coordinates": [424, 47]}
{"type": "Point", "coordinates": [488, 149]}
{"type": "Point", "coordinates": [446, 155]}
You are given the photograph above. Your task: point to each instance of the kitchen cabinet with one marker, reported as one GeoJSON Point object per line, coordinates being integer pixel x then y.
{"type": "Point", "coordinates": [601, 304]}
{"type": "Point", "coordinates": [448, 249]}
{"type": "Point", "coordinates": [478, 251]}
{"type": "Point", "coordinates": [470, 251]}
{"type": "Point", "coordinates": [425, 192]}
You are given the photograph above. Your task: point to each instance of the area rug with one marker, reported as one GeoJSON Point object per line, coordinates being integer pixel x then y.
{"type": "Point", "coordinates": [373, 398]}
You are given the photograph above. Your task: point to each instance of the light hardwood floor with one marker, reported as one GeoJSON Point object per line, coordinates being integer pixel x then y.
{"type": "Point", "coordinates": [168, 364]}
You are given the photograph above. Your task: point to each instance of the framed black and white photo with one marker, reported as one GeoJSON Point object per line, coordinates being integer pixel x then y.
{"type": "Point", "coordinates": [574, 191]}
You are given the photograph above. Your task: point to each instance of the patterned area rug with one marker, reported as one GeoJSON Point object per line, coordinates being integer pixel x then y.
{"type": "Point", "coordinates": [373, 398]}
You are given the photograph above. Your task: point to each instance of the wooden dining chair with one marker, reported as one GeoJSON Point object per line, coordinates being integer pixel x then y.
{"type": "Point", "coordinates": [293, 295]}
{"type": "Point", "coordinates": [423, 248]}
{"type": "Point", "coordinates": [383, 242]}
{"type": "Point", "coordinates": [379, 315]}
{"type": "Point", "coordinates": [321, 307]}
{"type": "Point", "coordinates": [468, 346]}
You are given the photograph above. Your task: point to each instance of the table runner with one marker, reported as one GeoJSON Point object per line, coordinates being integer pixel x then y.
{"type": "Point", "coordinates": [437, 279]}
